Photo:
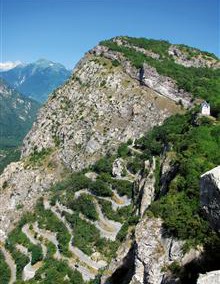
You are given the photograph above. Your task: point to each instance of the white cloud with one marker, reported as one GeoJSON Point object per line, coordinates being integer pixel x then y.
{"type": "Point", "coordinates": [4, 66]}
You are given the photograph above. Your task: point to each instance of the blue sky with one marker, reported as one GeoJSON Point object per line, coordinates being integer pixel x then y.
{"type": "Point", "coordinates": [63, 30]}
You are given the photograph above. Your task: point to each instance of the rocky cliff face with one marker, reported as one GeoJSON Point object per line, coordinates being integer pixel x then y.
{"type": "Point", "coordinates": [210, 196]}
{"type": "Point", "coordinates": [21, 184]}
{"type": "Point", "coordinates": [98, 108]}
{"type": "Point", "coordinates": [155, 252]}
{"type": "Point", "coordinates": [147, 75]}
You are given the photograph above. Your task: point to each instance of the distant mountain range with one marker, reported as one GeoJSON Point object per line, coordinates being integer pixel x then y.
{"type": "Point", "coordinates": [36, 80]}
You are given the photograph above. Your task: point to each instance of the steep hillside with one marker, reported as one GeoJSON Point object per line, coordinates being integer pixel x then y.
{"type": "Point", "coordinates": [16, 118]}
{"type": "Point", "coordinates": [99, 107]}
{"type": "Point", "coordinates": [36, 80]}
{"type": "Point", "coordinates": [113, 152]}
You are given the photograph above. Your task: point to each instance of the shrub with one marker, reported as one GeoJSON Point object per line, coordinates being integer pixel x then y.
{"type": "Point", "coordinates": [5, 271]}
{"type": "Point", "coordinates": [100, 188]}
{"type": "Point", "coordinates": [85, 234]}
{"type": "Point", "coordinates": [123, 150]}
{"type": "Point", "coordinates": [115, 63]}
{"type": "Point", "coordinates": [54, 271]}
{"type": "Point", "coordinates": [49, 221]}
{"type": "Point", "coordinates": [135, 164]}
{"type": "Point", "coordinates": [85, 205]}
{"type": "Point", "coordinates": [103, 165]}
{"type": "Point", "coordinates": [36, 157]}
{"type": "Point", "coordinates": [73, 183]}
{"type": "Point", "coordinates": [123, 187]}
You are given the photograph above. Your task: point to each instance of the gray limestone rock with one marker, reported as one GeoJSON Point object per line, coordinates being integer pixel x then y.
{"type": "Point", "coordinates": [147, 186]}
{"type": "Point", "coordinates": [117, 168]}
{"type": "Point", "coordinates": [198, 61]}
{"type": "Point", "coordinates": [210, 196]}
{"type": "Point", "coordinates": [212, 277]}
{"type": "Point", "coordinates": [20, 188]}
{"type": "Point", "coordinates": [155, 252]}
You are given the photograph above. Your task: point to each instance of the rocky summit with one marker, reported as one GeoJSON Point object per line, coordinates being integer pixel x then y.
{"type": "Point", "coordinates": [107, 189]}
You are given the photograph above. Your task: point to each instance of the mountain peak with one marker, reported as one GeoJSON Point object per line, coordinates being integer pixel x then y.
{"type": "Point", "coordinates": [43, 61]}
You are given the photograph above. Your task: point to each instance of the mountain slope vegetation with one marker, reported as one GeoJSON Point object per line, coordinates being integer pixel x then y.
{"type": "Point", "coordinates": [16, 118]}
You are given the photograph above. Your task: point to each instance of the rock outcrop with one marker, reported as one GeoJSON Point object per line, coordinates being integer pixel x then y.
{"type": "Point", "coordinates": [210, 196]}
{"type": "Point", "coordinates": [168, 172]}
{"type": "Point", "coordinates": [20, 188]}
{"type": "Point", "coordinates": [196, 59]}
{"type": "Point", "coordinates": [155, 252]}
{"type": "Point", "coordinates": [146, 186]}
{"type": "Point", "coordinates": [164, 85]}
{"type": "Point", "coordinates": [148, 76]}
{"type": "Point", "coordinates": [121, 268]}
{"type": "Point", "coordinates": [212, 277]}
{"type": "Point", "coordinates": [118, 168]}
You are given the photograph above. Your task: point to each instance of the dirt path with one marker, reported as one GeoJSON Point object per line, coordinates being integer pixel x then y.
{"type": "Point", "coordinates": [87, 273]}
{"type": "Point", "coordinates": [107, 228]}
{"type": "Point", "coordinates": [80, 261]}
{"type": "Point", "coordinates": [85, 258]}
{"type": "Point", "coordinates": [30, 235]}
{"type": "Point", "coordinates": [29, 270]}
{"type": "Point", "coordinates": [77, 252]}
{"type": "Point", "coordinates": [11, 264]}
{"type": "Point", "coordinates": [50, 236]}
{"type": "Point", "coordinates": [135, 150]}
{"type": "Point", "coordinates": [116, 201]}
